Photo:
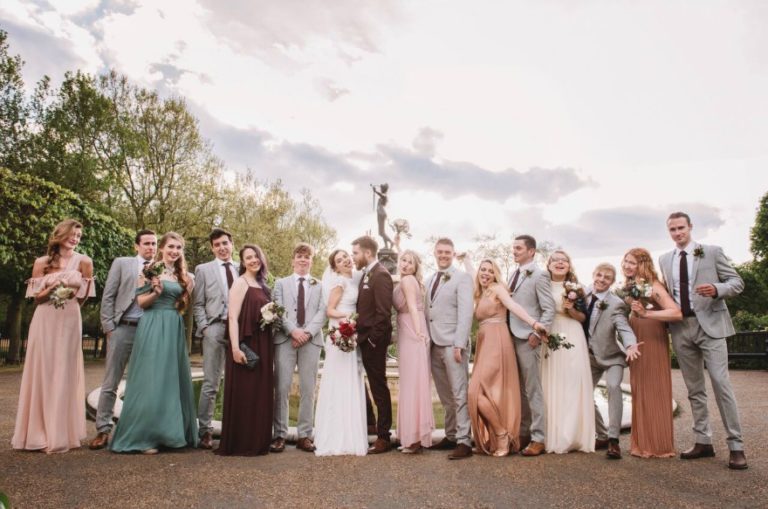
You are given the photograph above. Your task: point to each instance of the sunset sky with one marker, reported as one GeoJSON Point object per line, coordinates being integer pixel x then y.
{"type": "Point", "coordinates": [583, 123]}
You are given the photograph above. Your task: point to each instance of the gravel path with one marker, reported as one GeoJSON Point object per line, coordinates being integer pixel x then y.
{"type": "Point", "coordinates": [193, 478]}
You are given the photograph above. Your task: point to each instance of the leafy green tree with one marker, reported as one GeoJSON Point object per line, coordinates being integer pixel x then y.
{"type": "Point", "coordinates": [32, 208]}
{"type": "Point", "coordinates": [759, 238]}
{"type": "Point", "coordinates": [14, 110]}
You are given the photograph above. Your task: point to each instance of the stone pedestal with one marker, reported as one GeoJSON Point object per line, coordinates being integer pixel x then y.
{"type": "Point", "coordinates": [388, 259]}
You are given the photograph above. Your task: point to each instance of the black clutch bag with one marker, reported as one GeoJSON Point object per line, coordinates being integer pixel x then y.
{"type": "Point", "coordinates": [251, 357]}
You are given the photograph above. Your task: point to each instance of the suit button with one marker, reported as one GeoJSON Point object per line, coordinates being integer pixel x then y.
{"type": "Point", "coordinates": [430, 319]}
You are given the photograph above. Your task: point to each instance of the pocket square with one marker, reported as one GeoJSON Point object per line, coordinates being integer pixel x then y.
{"type": "Point", "coordinates": [366, 287]}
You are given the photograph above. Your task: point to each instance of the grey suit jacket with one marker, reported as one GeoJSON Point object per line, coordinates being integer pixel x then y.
{"type": "Point", "coordinates": [713, 268]}
{"type": "Point", "coordinates": [119, 291]}
{"type": "Point", "coordinates": [604, 327]}
{"type": "Point", "coordinates": [449, 314]}
{"type": "Point", "coordinates": [534, 293]}
{"type": "Point", "coordinates": [209, 297]}
{"type": "Point", "coordinates": [314, 310]}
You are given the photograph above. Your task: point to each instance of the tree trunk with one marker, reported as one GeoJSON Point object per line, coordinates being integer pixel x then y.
{"type": "Point", "coordinates": [13, 324]}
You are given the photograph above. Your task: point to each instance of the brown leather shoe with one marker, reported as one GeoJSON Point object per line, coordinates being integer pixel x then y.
{"type": "Point", "coordinates": [614, 450]}
{"type": "Point", "coordinates": [462, 451]}
{"type": "Point", "coordinates": [277, 445]}
{"type": "Point", "coordinates": [380, 446]}
{"type": "Point", "coordinates": [305, 444]}
{"type": "Point", "coordinates": [738, 461]}
{"type": "Point", "coordinates": [698, 451]}
{"type": "Point", "coordinates": [533, 449]}
{"type": "Point", "coordinates": [601, 444]}
{"type": "Point", "coordinates": [206, 441]}
{"type": "Point", "coordinates": [524, 441]}
{"type": "Point", "coordinates": [100, 442]}
{"type": "Point", "coordinates": [444, 445]}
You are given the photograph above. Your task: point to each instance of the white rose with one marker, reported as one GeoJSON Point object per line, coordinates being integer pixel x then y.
{"type": "Point", "coordinates": [268, 316]}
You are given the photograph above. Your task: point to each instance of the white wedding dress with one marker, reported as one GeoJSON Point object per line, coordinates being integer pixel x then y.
{"type": "Point", "coordinates": [340, 420]}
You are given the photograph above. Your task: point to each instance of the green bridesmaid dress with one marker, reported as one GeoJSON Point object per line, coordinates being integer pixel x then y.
{"type": "Point", "coordinates": [158, 407]}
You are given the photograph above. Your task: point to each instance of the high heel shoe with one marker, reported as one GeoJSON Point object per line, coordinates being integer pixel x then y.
{"type": "Point", "coordinates": [502, 445]}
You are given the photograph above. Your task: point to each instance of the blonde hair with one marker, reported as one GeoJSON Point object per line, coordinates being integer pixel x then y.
{"type": "Point", "coordinates": [571, 274]}
{"type": "Point", "coordinates": [418, 272]}
{"type": "Point", "coordinates": [605, 266]}
{"type": "Point", "coordinates": [60, 234]}
{"type": "Point", "coordinates": [180, 269]}
{"type": "Point", "coordinates": [496, 275]}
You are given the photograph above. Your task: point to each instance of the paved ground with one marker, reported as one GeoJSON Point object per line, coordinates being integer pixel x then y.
{"type": "Point", "coordinates": [85, 478]}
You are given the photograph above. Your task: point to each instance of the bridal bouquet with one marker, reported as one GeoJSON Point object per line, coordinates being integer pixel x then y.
{"type": "Point", "coordinates": [344, 336]}
{"type": "Point", "coordinates": [401, 226]}
{"type": "Point", "coordinates": [272, 315]}
{"type": "Point", "coordinates": [636, 289]}
{"type": "Point", "coordinates": [556, 341]}
{"type": "Point", "coordinates": [575, 293]}
{"type": "Point", "coordinates": [60, 295]}
{"type": "Point", "coordinates": [153, 270]}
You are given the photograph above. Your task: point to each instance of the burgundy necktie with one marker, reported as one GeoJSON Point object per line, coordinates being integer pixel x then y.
{"type": "Point", "coordinates": [300, 304]}
{"type": "Point", "coordinates": [513, 285]}
{"type": "Point", "coordinates": [438, 277]}
{"type": "Point", "coordinates": [228, 272]}
{"type": "Point", "coordinates": [685, 298]}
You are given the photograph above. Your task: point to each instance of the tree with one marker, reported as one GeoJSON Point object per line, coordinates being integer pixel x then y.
{"type": "Point", "coordinates": [759, 238]}
{"type": "Point", "coordinates": [14, 110]}
{"type": "Point", "coordinates": [33, 207]}
{"type": "Point", "coordinates": [267, 215]}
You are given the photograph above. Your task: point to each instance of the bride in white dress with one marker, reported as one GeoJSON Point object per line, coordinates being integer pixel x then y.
{"type": "Point", "coordinates": [340, 420]}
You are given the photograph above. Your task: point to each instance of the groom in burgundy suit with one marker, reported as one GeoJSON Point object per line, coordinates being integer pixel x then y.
{"type": "Point", "coordinates": [374, 332]}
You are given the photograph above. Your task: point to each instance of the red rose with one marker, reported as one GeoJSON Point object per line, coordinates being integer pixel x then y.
{"type": "Point", "coordinates": [346, 329]}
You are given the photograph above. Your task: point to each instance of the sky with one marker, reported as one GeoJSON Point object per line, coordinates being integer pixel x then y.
{"type": "Point", "coordinates": [582, 123]}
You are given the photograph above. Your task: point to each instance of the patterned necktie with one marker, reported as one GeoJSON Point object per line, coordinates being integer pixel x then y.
{"type": "Point", "coordinates": [228, 272]}
{"type": "Point", "coordinates": [590, 308]}
{"type": "Point", "coordinates": [438, 277]}
{"type": "Point", "coordinates": [300, 317]}
{"type": "Point", "coordinates": [685, 298]}
{"type": "Point", "coordinates": [513, 285]}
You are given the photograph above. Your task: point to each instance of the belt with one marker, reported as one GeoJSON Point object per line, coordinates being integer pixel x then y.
{"type": "Point", "coordinates": [130, 323]}
{"type": "Point", "coordinates": [493, 320]}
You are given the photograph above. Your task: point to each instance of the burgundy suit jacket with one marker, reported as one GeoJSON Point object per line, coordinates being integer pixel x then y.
{"type": "Point", "coordinates": [374, 307]}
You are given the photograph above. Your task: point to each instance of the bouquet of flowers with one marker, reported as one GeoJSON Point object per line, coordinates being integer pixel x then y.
{"type": "Point", "coordinates": [272, 315]}
{"type": "Point", "coordinates": [556, 342]}
{"type": "Point", "coordinates": [575, 293]}
{"type": "Point", "coordinates": [636, 289]}
{"type": "Point", "coordinates": [153, 270]}
{"type": "Point", "coordinates": [60, 295]}
{"type": "Point", "coordinates": [401, 226]}
{"type": "Point", "coordinates": [344, 336]}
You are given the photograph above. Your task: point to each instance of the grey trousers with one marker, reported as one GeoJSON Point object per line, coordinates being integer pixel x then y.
{"type": "Point", "coordinates": [451, 381]}
{"type": "Point", "coordinates": [694, 348]}
{"type": "Point", "coordinates": [613, 376]}
{"type": "Point", "coordinates": [287, 358]}
{"type": "Point", "coordinates": [119, 349]}
{"type": "Point", "coordinates": [533, 417]}
{"type": "Point", "coordinates": [214, 354]}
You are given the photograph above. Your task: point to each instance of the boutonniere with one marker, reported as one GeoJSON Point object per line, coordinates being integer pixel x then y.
{"type": "Point", "coordinates": [366, 278]}
{"type": "Point", "coordinates": [602, 305]}
{"type": "Point", "coordinates": [446, 277]}
{"type": "Point", "coordinates": [698, 252]}
{"type": "Point", "coordinates": [312, 282]}
{"type": "Point", "coordinates": [528, 272]}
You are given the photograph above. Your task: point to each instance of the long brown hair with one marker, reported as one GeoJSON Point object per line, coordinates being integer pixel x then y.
{"type": "Point", "coordinates": [179, 269]}
{"type": "Point", "coordinates": [263, 272]}
{"type": "Point", "coordinates": [645, 269]}
{"type": "Point", "coordinates": [60, 234]}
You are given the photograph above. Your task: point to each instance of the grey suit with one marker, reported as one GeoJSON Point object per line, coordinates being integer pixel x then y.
{"type": "Point", "coordinates": [449, 321]}
{"type": "Point", "coordinates": [606, 357]}
{"type": "Point", "coordinates": [532, 291]}
{"type": "Point", "coordinates": [119, 295]}
{"type": "Point", "coordinates": [306, 356]}
{"type": "Point", "coordinates": [209, 305]}
{"type": "Point", "coordinates": [700, 340]}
